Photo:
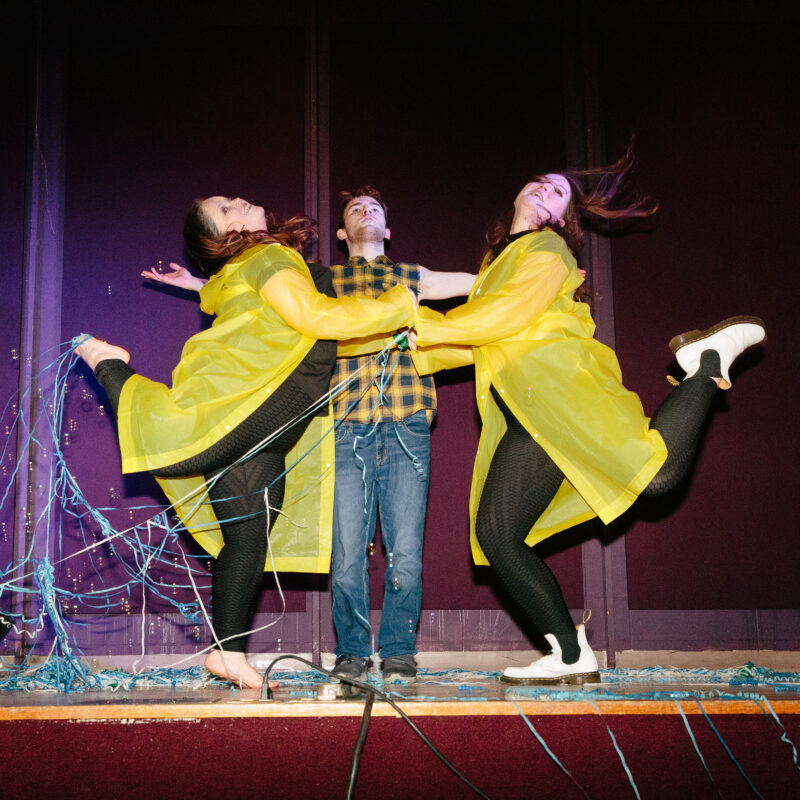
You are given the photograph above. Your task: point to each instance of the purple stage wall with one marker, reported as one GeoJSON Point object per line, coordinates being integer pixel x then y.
{"type": "Point", "coordinates": [716, 110]}
{"type": "Point", "coordinates": [216, 126]}
{"type": "Point", "coordinates": [16, 58]}
{"type": "Point", "coordinates": [449, 119]}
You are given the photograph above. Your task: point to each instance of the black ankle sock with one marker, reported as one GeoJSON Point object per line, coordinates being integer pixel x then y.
{"type": "Point", "coordinates": [570, 649]}
{"type": "Point", "coordinates": [709, 365]}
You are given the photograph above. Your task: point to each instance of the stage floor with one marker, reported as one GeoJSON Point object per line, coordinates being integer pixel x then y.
{"type": "Point", "coordinates": [689, 735]}
{"type": "Point", "coordinates": [452, 693]}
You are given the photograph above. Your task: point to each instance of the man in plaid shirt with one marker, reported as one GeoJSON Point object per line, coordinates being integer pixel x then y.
{"type": "Point", "coordinates": [382, 454]}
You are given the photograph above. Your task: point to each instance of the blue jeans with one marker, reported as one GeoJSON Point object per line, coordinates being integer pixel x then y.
{"type": "Point", "coordinates": [374, 472]}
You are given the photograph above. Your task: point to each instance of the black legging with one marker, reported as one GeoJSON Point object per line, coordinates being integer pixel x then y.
{"type": "Point", "coordinates": [237, 495]}
{"type": "Point", "coordinates": [523, 480]}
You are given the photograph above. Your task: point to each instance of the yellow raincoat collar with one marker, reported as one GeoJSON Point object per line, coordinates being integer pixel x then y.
{"type": "Point", "coordinates": [210, 293]}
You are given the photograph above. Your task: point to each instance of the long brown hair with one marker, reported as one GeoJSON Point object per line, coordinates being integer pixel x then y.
{"type": "Point", "coordinates": [210, 249]}
{"type": "Point", "coordinates": [608, 195]}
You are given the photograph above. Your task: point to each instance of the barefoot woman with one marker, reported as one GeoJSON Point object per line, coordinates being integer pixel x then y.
{"type": "Point", "coordinates": [260, 366]}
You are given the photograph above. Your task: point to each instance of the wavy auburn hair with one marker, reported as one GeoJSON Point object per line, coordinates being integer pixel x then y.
{"type": "Point", "coordinates": [608, 195]}
{"type": "Point", "coordinates": [210, 249]}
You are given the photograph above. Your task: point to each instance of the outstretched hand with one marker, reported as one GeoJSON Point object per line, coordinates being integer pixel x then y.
{"type": "Point", "coordinates": [179, 276]}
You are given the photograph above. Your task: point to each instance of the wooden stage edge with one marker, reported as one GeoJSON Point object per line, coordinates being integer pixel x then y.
{"type": "Point", "coordinates": [350, 708]}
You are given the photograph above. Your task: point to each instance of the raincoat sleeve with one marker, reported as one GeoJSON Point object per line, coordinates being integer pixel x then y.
{"type": "Point", "coordinates": [426, 360]}
{"type": "Point", "coordinates": [432, 359]}
{"type": "Point", "coordinates": [501, 312]}
{"type": "Point", "coordinates": [301, 306]}
{"type": "Point", "coordinates": [363, 345]}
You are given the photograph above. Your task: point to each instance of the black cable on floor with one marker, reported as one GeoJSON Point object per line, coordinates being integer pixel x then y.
{"type": "Point", "coordinates": [362, 737]}
{"type": "Point", "coordinates": [266, 693]}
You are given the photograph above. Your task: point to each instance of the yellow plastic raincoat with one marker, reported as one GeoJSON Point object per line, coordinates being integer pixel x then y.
{"type": "Point", "coordinates": [533, 342]}
{"type": "Point", "coordinates": [268, 316]}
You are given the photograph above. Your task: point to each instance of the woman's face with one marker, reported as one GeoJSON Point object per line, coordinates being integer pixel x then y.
{"type": "Point", "coordinates": [233, 214]}
{"type": "Point", "coordinates": [544, 200]}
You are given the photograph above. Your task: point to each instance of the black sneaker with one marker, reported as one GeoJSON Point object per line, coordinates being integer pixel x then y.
{"type": "Point", "coordinates": [399, 668]}
{"type": "Point", "coordinates": [349, 666]}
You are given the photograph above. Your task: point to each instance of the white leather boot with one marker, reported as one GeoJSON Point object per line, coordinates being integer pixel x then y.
{"type": "Point", "coordinates": [551, 669]}
{"type": "Point", "coordinates": [730, 338]}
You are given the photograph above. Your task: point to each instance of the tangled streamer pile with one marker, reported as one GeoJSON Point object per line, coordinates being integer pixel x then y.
{"type": "Point", "coordinates": [34, 603]}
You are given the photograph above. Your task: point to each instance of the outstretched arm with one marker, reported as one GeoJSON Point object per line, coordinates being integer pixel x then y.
{"type": "Point", "coordinates": [443, 285]}
{"type": "Point", "coordinates": [500, 313]}
{"type": "Point", "coordinates": [294, 296]}
{"type": "Point", "coordinates": [179, 276]}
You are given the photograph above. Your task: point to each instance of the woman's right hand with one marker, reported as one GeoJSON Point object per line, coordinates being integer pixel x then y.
{"type": "Point", "coordinates": [179, 276]}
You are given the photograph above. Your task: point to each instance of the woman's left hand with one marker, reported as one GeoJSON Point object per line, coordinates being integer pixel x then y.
{"type": "Point", "coordinates": [179, 276]}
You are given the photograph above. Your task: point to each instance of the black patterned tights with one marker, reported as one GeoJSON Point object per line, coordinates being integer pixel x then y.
{"type": "Point", "coordinates": [522, 481]}
{"type": "Point", "coordinates": [237, 495]}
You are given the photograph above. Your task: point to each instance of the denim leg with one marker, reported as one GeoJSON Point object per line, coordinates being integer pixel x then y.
{"type": "Point", "coordinates": [402, 499]}
{"type": "Point", "coordinates": [353, 529]}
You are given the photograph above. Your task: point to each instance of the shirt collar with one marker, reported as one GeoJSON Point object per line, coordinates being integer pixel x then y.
{"type": "Point", "coordinates": [359, 261]}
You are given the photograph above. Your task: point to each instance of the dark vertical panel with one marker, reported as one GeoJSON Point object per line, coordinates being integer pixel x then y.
{"type": "Point", "coordinates": [714, 100]}
{"type": "Point", "coordinates": [603, 555]}
{"type": "Point", "coordinates": [449, 121]}
{"type": "Point", "coordinates": [159, 115]}
{"type": "Point", "coordinates": [16, 62]}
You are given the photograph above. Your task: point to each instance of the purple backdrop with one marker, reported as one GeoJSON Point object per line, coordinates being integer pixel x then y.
{"type": "Point", "coordinates": [158, 116]}
{"type": "Point", "coordinates": [448, 119]}
{"type": "Point", "coordinates": [16, 59]}
{"type": "Point", "coordinates": [721, 157]}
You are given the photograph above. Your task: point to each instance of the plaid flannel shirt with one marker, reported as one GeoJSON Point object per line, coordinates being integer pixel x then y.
{"type": "Point", "coordinates": [407, 392]}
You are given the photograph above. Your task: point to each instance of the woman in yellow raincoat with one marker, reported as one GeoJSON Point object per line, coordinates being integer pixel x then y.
{"type": "Point", "coordinates": [563, 440]}
{"type": "Point", "coordinates": [255, 375]}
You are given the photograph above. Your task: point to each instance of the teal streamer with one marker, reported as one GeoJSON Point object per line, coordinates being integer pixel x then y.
{"type": "Point", "coordinates": [728, 751]}
{"type": "Point", "coordinates": [784, 737]}
{"type": "Point", "coordinates": [549, 751]}
{"type": "Point", "coordinates": [619, 752]}
{"type": "Point", "coordinates": [73, 668]}
{"type": "Point", "coordinates": [144, 556]}
{"type": "Point", "coordinates": [697, 749]}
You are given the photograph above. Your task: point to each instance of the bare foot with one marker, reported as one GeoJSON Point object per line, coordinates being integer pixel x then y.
{"type": "Point", "coordinates": [93, 351]}
{"type": "Point", "coordinates": [234, 667]}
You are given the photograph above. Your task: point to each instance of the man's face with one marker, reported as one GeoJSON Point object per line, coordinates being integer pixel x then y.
{"type": "Point", "coordinates": [364, 221]}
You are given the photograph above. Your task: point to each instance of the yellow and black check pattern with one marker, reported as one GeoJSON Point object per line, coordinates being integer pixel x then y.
{"type": "Point", "coordinates": [406, 392]}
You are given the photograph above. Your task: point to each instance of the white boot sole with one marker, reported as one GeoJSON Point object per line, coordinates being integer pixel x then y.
{"type": "Point", "coordinates": [576, 679]}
